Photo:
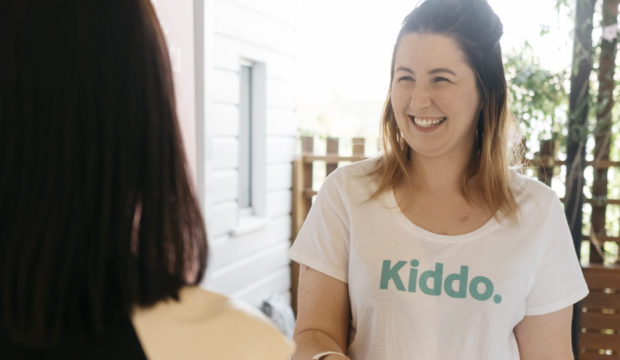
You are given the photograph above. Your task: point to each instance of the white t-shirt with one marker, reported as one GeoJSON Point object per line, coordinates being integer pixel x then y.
{"type": "Point", "coordinates": [205, 325]}
{"type": "Point", "coordinates": [419, 295]}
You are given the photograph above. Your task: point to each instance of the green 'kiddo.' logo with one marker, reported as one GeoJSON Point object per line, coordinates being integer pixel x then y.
{"type": "Point", "coordinates": [455, 285]}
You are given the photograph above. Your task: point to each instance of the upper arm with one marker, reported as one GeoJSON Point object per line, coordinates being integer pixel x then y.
{"type": "Point", "coordinates": [323, 305]}
{"type": "Point", "coordinates": [545, 336]}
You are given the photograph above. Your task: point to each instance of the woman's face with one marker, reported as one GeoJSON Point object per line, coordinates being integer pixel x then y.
{"type": "Point", "coordinates": [434, 96]}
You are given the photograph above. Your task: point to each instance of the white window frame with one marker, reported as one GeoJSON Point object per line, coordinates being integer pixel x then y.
{"type": "Point", "coordinates": [253, 138]}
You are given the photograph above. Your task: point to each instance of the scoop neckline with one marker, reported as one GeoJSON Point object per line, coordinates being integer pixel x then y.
{"type": "Point", "coordinates": [413, 228]}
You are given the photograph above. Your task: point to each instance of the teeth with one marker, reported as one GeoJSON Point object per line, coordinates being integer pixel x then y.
{"type": "Point", "coordinates": [427, 122]}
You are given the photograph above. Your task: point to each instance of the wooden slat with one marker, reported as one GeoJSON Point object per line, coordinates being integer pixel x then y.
{"type": "Point", "coordinates": [602, 277]}
{"type": "Point", "coordinates": [331, 159]}
{"type": "Point", "coordinates": [602, 300]}
{"type": "Point", "coordinates": [599, 341]}
{"type": "Point", "coordinates": [592, 320]}
{"type": "Point", "coordinates": [309, 193]}
{"type": "Point", "coordinates": [302, 179]}
{"type": "Point", "coordinates": [307, 146]}
{"type": "Point", "coordinates": [359, 146]}
{"type": "Point", "coordinates": [594, 356]}
{"type": "Point", "coordinates": [603, 238]}
{"type": "Point", "coordinates": [609, 201]}
{"type": "Point", "coordinates": [298, 214]}
{"type": "Point", "coordinates": [331, 149]}
{"type": "Point", "coordinates": [548, 162]}
{"type": "Point", "coordinates": [297, 210]}
{"type": "Point", "coordinates": [585, 237]}
{"type": "Point", "coordinates": [603, 164]}
{"type": "Point", "coordinates": [545, 168]}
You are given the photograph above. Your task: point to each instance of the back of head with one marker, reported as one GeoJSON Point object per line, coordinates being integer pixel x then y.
{"type": "Point", "coordinates": [97, 212]}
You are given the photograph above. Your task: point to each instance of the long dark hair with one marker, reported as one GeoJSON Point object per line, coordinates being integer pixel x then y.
{"type": "Point", "coordinates": [477, 30]}
{"type": "Point", "coordinates": [97, 210]}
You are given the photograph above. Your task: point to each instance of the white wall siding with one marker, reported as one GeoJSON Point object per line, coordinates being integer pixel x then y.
{"type": "Point", "coordinates": [279, 203]}
{"type": "Point", "coordinates": [278, 282]}
{"type": "Point", "coordinates": [281, 122]}
{"type": "Point", "coordinates": [280, 149]}
{"type": "Point", "coordinates": [279, 177]}
{"type": "Point", "coordinates": [251, 264]}
{"type": "Point", "coordinates": [225, 120]}
{"type": "Point", "coordinates": [225, 186]}
{"type": "Point", "coordinates": [243, 23]}
{"type": "Point", "coordinates": [227, 85]}
{"type": "Point", "coordinates": [283, 11]}
{"type": "Point", "coordinates": [226, 151]}
{"type": "Point", "coordinates": [252, 268]}
{"type": "Point", "coordinates": [222, 218]}
{"type": "Point", "coordinates": [281, 94]}
{"type": "Point", "coordinates": [232, 249]}
{"type": "Point", "coordinates": [282, 65]}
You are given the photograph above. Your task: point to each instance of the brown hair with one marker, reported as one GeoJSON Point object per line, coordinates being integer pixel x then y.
{"type": "Point", "coordinates": [477, 30]}
{"type": "Point", "coordinates": [97, 210]}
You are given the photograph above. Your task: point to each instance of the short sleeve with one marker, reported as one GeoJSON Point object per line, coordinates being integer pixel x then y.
{"type": "Point", "coordinates": [323, 240]}
{"type": "Point", "coordinates": [558, 279]}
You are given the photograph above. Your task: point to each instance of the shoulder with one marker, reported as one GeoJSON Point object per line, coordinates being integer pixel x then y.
{"type": "Point", "coordinates": [352, 177]}
{"type": "Point", "coordinates": [203, 325]}
{"type": "Point", "coordinates": [533, 197]}
{"type": "Point", "coordinates": [358, 168]}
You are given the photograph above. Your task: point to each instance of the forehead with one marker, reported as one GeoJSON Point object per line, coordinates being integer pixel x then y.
{"type": "Point", "coordinates": [421, 52]}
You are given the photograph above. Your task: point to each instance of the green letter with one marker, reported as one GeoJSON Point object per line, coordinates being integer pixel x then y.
{"type": "Point", "coordinates": [461, 278]}
{"type": "Point", "coordinates": [413, 275]}
{"type": "Point", "coordinates": [391, 273]}
{"type": "Point", "coordinates": [436, 276]}
{"type": "Point", "coordinates": [473, 288]}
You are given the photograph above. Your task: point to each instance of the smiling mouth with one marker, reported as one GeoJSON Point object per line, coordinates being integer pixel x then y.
{"type": "Point", "coordinates": [427, 122]}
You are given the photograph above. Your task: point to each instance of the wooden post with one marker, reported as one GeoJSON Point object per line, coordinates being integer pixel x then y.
{"type": "Point", "coordinates": [602, 130]}
{"type": "Point", "coordinates": [359, 146]}
{"type": "Point", "coordinates": [331, 149]}
{"type": "Point", "coordinates": [523, 161]}
{"type": "Point", "coordinates": [597, 219]}
{"type": "Point", "coordinates": [576, 141]}
{"type": "Point", "coordinates": [545, 160]}
{"type": "Point", "coordinates": [307, 148]}
{"type": "Point", "coordinates": [302, 180]}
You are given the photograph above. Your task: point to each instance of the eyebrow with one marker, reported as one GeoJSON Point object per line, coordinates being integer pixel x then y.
{"type": "Point", "coordinates": [434, 71]}
{"type": "Point", "coordinates": [440, 70]}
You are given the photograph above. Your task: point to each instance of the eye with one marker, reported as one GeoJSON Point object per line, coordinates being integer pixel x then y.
{"type": "Point", "coordinates": [439, 79]}
{"type": "Point", "coordinates": [406, 78]}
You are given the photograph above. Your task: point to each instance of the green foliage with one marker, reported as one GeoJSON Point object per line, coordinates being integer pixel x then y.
{"type": "Point", "coordinates": [561, 3]}
{"type": "Point", "coordinates": [538, 97]}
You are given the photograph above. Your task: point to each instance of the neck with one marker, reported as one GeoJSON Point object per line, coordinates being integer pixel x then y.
{"type": "Point", "coordinates": [439, 175]}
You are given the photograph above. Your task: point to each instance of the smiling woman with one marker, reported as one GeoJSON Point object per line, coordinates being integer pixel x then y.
{"type": "Point", "coordinates": [434, 96]}
{"type": "Point", "coordinates": [434, 249]}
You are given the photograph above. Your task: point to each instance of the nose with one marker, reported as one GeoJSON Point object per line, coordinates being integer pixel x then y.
{"type": "Point", "coordinates": [420, 98]}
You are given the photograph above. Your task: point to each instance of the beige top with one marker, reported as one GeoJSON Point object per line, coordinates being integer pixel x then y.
{"type": "Point", "coordinates": [206, 325]}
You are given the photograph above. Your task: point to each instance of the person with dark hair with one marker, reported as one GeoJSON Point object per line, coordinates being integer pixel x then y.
{"type": "Point", "coordinates": [437, 249]}
{"type": "Point", "coordinates": [102, 241]}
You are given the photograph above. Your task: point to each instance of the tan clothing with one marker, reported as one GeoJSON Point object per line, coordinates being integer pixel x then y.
{"type": "Point", "coordinates": [206, 325]}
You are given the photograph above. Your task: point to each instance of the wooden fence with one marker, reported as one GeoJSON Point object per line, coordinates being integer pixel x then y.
{"type": "Point", "coordinates": [600, 318]}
